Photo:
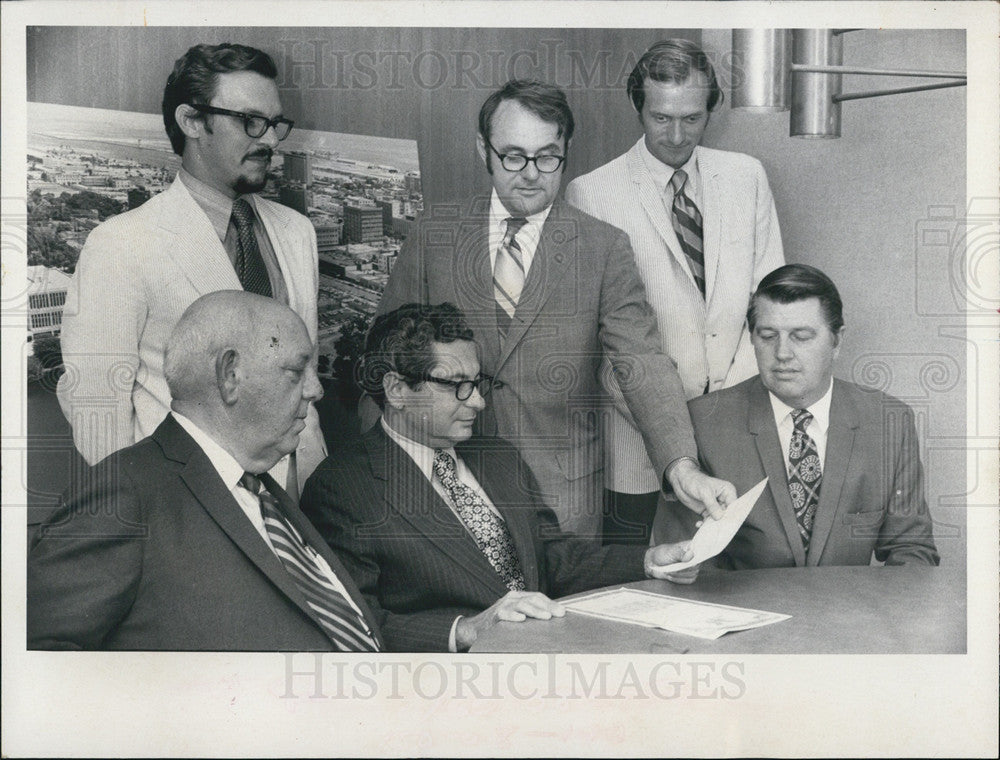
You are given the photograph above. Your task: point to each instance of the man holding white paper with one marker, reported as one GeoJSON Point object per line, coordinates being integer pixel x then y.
{"type": "Point", "coordinates": [845, 482]}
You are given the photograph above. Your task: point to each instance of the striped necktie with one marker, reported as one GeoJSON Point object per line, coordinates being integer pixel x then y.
{"type": "Point", "coordinates": [249, 264]}
{"type": "Point", "coordinates": [508, 274]}
{"type": "Point", "coordinates": [345, 627]}
{"type": "Point", "coordinates": [687, 224]}
{"type": "Point", "coordinates": [489, 529]}
{"type": "Point", "coordinates": [805, 474]}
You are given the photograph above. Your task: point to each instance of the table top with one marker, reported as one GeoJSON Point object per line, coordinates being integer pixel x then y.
{"type": "Point", "coordinates": [834, 610]}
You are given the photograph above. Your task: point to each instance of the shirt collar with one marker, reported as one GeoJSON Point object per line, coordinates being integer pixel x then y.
{"type": "Point", "coordinates": [422, 455]}
{"type": "Point", "coordinates": [819, 410]}
{"type": "Point", "coordinates": [217, 206]}
{"type": "Point", "coordinates": [224, 463]}
{"type": "Point", "coordinates": [499, 214]}
{"type": "Point", "coordinates": [661, 173]}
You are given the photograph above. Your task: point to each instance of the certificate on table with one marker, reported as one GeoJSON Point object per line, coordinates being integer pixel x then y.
{"type": "Point", "coordinates": [702, 619]}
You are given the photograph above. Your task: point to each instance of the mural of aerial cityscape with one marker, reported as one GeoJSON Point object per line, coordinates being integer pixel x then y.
{"type": "Point", "coordinates": [87, 164]}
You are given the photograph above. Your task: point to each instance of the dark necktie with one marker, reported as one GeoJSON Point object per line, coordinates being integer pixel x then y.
{"type": "Point", "coordinates": [489, 530]}
{"type": "Point", "coordinates": [345, 627]}
{"type": "Point", "coordinates": [805, 474]}
{"type": "Point", "coordinates": [508, 274]}
{"type": "Point", "coordinates": [249, 265]}
{"type": "Point", "coordinates": [687, 224]}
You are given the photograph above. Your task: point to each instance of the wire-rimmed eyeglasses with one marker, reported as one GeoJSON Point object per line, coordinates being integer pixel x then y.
{"type": "Point", "coordinates": [515, 162]}
{"type": "Point", "coordinates": [254, 124]}
{"type": "Point", "coordinates": [463, 388]}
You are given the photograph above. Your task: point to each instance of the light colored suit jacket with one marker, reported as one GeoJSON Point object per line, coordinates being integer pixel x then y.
{"type": "Point", "coordinates": [136, 275]}
{"type": "Point", "coordinates": [582, 301]}
{"type": "Point", "coordinates": [872, 494]}
{"type": "Point", "coordinates": [149, 550]}
{"type": "Point", "coordinates": [413, 559]}
{"type": "Point", "coordinates": [707, 338]}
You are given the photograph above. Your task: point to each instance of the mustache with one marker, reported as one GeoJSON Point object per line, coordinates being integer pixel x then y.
{"type": "Point", "coordinates": [262, 153]}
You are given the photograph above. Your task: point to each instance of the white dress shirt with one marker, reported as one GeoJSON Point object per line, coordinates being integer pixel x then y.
{"type": "Point", "coordinates": [527, 237]}
{"type": "Point", "coordinates": [231, 472]}
{"type": "Point", "coordinates": [423, 457]}
{"type": "Point", "coordinates": [661, 174]}
{"type": "Point", "coordinates": [817, 427]}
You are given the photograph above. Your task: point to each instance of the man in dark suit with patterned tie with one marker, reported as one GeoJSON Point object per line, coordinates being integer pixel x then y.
{"type": "Point", "coordinates": [444, 533]}
{"type": "Point", "coordinates": [845, 481]}
{"type": "Point", "coordinates": [183, 541]}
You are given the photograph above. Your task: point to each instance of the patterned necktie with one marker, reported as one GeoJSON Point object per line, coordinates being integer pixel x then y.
{"type": "Point", "coordinates": [805, 474]}
{"type": "Point", "coordinates": [345, 627]}
{"type": "Point", "coordinates": [508, 274]}
{"type": "Point", "coordinates": [687, 224]}
{"type": "Point", "coordinates": [489, 530]}
{"type": "Point", "coordinates": [249, 264]}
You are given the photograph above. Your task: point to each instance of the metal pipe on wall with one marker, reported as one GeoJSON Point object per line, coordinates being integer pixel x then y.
{"type": "Point", "coordinates": [761, 81]}
{"type": "Point", "coordinates": [814, 112]}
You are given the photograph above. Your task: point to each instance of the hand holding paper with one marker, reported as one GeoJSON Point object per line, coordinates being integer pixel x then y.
{"type": "Point", "coordinates": [714, 535]}
{"type": "Point", "coordinates": [698, 491]}
{"type": "Point", "coordinates": [658, 558]}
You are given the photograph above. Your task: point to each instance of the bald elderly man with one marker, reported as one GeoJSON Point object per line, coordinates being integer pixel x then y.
{"type": "Point", "coordinates": [183, 541]}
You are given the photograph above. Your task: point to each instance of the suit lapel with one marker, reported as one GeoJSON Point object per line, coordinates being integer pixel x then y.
{"type": "Point", "coordinates": [715, 202]}
{"type": "Point", "coordinates": [203, 480]}
{"type": "Point", "coordinates": [411, 496]}
{"type": "Point", "coordinates": [556, 253]}
{"type": "Point", "coordinates": [276, 228]}
{"type": "Point", "coordinates": [499, 480]}
{"type": "Point", "coordinates": [844, 420]}
{"type": "Point", "coordinates": [194, 245]}
{"type": "Point", "coordinates": [761, 426]}
{"type": "Point", "coordinates": [651, 198]}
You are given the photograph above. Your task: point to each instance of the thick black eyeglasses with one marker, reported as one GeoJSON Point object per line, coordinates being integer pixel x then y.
{"type": "Point", "coordinates": [515, 162]}
{"type": "Point", "coordinates": [463, 388]}
{"type": "Point", "coordinates": [254, 124]}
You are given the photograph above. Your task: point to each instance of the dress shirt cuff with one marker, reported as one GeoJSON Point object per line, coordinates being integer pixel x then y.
{"type": "Point", "coordinates": [672, 465]}
{"type": "Point", "coordinates": [452, 643]}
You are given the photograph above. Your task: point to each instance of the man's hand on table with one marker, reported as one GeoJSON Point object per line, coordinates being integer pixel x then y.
{"type": "Point", "coordinates": [699, 492]}
{"type": "Point", "coordinates": [659, 557]}
{"type": "Point", "coordinates": [513, 607]}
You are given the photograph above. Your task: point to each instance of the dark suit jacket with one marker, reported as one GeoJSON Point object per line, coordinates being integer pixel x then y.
{"type": "Point", "coordinates": [151, 551]}
{"type": "Point", "coordinates": [871, 499]}
{"type": "Point", "coordinates": [413, 559]}
{"type": "Point", "coordinates": [582, 301]}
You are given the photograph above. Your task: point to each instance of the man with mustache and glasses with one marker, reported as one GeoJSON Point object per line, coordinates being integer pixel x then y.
{"type": "Point", "coordinates": [208, 231]}
{"type": "Point", "coordinates": [550, 293]}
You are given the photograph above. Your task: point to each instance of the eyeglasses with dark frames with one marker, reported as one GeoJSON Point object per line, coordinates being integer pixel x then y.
{"type": "Point", "coordinates": [254, 124]}
{"type": "Point", "coordinates": [463, 388]}
{"type": "Point", "coordinates": [515, 162]}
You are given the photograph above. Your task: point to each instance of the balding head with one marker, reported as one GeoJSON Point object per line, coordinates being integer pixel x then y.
{"type": "Point", "coordinates": [242, 367]}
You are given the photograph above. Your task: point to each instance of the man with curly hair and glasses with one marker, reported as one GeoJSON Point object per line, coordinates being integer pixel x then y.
{"type": "Point", "coordinates": [445, 532]}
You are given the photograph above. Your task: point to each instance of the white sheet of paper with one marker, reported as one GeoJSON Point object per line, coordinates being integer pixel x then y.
{"type": "Point", "coordinates": [714, 535]}
{"type": "Point", "coordinates": [702, 619]}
